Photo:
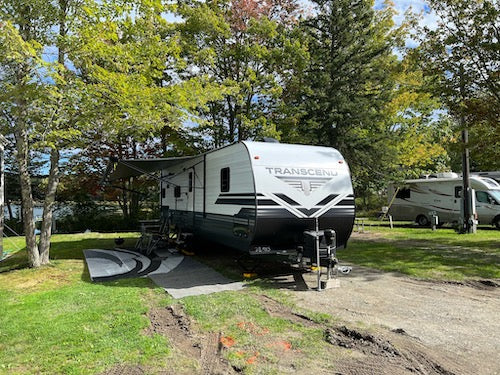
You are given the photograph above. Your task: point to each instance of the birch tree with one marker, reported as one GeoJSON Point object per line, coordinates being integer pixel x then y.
{"type": "Point", "coordinates": [74, 71]}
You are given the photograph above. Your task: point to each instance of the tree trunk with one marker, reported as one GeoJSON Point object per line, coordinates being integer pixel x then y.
{"type": "Point", "coordinates": [48, 207]}
{"type": "Point", "coordinates": [134, 201]}
{"type": "Point", "coordinates": [125, 202]}
{"type": "Point", "coordinates": [53, 180]}
{"type": "Point", "coordinates": [21, 136]}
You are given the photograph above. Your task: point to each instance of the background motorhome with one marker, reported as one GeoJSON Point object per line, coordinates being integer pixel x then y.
{"type": "Point", "coordinates": [415, 199]}
{"type": "Point", "coordinates": [494, 175]}
{"type": "Point", "coordinates": [255, 196]}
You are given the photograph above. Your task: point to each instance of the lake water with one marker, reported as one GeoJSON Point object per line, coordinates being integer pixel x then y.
{"type": "Point", "coordinates": [38, 210]}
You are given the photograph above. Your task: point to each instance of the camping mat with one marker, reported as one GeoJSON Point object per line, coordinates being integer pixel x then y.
{"type": "Point", "coordinates": [192, 278]}
{"type": "Point", "coordinates": [180, 276]}
{"type": "Point", "coordinates": [116, 264]}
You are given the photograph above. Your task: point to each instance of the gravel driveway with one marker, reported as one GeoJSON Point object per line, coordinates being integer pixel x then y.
{"type": "Point", "coordinates": [461, 321]}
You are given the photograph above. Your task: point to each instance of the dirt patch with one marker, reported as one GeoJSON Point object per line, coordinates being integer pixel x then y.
{"type": "Point", "coordinates": [202, 348]}
{"type": "Point", "coordinates": [29, 280]}
{"type": "Point", "coordinates": [435, 326]}
{"type": "Point", "coordinates": [384, 352]}
{"type": "Point", "coordinates": [362, 341]}
{"type": "Point", "coordinates": [276, 309]}
{"type": "Point", "coordinates": [125, 370]}
{"type": "Point", "coordinates": [483, 284]}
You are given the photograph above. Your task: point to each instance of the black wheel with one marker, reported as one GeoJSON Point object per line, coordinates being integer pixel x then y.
{"type": "Point", "coordinates": [496, 222]}
{"type": "Point", "coordinates": [422, 221]}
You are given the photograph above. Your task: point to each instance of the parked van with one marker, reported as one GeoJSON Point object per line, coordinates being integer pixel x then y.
{"type": "Point", "coordinates": [416, 199]}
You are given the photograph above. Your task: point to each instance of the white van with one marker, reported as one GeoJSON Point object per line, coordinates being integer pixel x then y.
{"type": "Point", "coordinates": [416, 199]}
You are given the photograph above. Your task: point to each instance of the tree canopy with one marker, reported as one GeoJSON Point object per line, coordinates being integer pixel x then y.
{"type": "Point", "coordinates": [462, 54]}
{"type": "Point", "coordinates": [92, 79]}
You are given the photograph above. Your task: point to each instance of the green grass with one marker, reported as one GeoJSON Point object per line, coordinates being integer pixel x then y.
{"type": "Point", "coordinates": [423, 253]}
{"type": "Point", "coordinates": [241, 316]}
{"type": "Point", "coordinates": [484, 238]}
{"type": "Point", "coordinates": [55, 321]}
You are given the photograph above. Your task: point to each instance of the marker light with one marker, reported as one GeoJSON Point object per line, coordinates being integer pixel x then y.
{"type": "Point", "coordinates": [256, 157]}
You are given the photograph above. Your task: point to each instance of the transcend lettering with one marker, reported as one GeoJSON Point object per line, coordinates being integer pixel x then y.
{"type": "Point", "coordinates": [301, 171]}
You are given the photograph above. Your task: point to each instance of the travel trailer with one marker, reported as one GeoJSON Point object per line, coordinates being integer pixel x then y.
{"type": "Point", "coordinates": [256, 197]}
{"type": "Point", "coordinates": [418, 199]}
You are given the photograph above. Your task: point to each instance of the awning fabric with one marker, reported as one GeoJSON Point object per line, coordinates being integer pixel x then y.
{"type": "Point", "coordinates": [119, 169]}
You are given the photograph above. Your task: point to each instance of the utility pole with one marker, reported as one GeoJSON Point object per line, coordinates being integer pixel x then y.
{"type": "Point", "coordinates": [468, 219]}
{"type": "Point", "coordinates": [3, 142]}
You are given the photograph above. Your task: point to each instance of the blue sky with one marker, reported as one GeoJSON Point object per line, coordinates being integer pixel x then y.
{"type": "Point", "coordinates": [429, 18]}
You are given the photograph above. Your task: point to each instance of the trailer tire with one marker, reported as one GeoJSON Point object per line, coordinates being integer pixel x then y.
{"type": "Point", "coordinates": [422, 221]}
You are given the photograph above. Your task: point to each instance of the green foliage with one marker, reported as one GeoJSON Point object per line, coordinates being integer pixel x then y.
{"type": "Point", "coordinates": [91, 216]}
{"type": "Point", "coordinates": [250, 51]}
{"type": "Point", "coordinates": [347, 84]}
{"type": "Point", "coordinates": [128, 83]}
{"type": "Point", "coordinates": [419, 138]}
{"type": "Point", "coordinates": [462, 55]}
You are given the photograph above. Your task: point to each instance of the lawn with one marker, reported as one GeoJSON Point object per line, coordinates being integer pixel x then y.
{"type": "Point", "coordinates": [53, 320]}
{"type": "Point", "coordinates": [423, 253]}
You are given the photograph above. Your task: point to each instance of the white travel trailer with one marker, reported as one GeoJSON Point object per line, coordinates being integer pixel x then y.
{"type": "Point", "coordinates": [257, 197]}
{"type": "Point", "coordinates": [415, 199]}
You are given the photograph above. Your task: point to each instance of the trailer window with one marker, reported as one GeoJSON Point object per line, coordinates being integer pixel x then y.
{"type": "Point", "coordinates": [403, 193]}
{"type": "Point", "coordinates": [190, 182]}
{"type": "Point", "coordinates": [458, 192]}
{"type": "Point", "coordinates": [177, 192]}
{"type": "Point", "coordinates": [163, 192]}
{"type": "Point", "coordinates": [224, 179]}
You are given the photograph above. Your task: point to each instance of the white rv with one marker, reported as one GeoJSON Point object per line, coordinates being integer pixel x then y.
{"type": "Point", "coordinates": [494, 175]}
{"type": "Point", "coordinates": [257, 197]}
{"type": "Point", "coordinates": [416, 199]}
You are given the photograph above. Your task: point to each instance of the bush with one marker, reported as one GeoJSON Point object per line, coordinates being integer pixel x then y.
{"type": "Point", "coordinates": [101, 223]}
{"type": "Point", "coordinates": [96, 218]}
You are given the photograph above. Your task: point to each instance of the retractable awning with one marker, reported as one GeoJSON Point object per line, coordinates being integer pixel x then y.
{"type": "Point", "coordinates": [126, 168]}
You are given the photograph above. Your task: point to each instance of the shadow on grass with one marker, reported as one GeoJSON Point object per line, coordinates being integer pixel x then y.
{"type": "Point", "coordinates": [459, 243]}
{"type": "Point", "coordinates": [449, 263]}
{"type": "Point", "coordinates": [73, 250]}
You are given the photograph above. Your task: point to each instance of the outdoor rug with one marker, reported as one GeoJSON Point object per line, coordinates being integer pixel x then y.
{"type": "Point", "coordinates": [180, 276]}
{"type": "Point", "coordinates": [192, 278]}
